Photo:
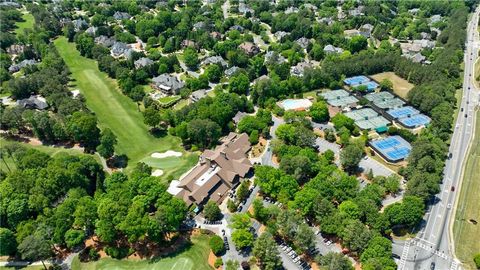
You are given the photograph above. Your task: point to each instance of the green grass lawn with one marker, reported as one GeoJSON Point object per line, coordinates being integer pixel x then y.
{"type": "Point", "coordinates": [50, 150]}
{"type": "Point", "coordinates": [194, 257]}
{"type": "Point", "coordinates": [28, 21]}
{"type": "Point", "coordinates": [117, 112]}
{"type": "Point", "coordinates": [168, 99]}
{"type": "Point", "coordinates": [466, 234]}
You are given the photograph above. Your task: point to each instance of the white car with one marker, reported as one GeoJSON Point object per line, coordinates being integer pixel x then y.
{"type": "Point", "coordinates": [449, 206]}
{"type": "Point", "coordinates": [329, 243]}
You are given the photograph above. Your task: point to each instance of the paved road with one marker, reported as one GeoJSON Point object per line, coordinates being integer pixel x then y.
{"type": "Point", "coordinates": [433, 244]}
{"type": "Point", "coordinates": [267, 156]}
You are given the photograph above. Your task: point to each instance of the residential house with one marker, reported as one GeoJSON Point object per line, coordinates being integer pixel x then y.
{"type": "Point", "coordinates": [416, 58]}
{"type": "Point", "coordinates": [330, 49]}
{"type": "Point", "coordinates": [310, 7]}
{"type": "Point", "coordinates": [249, 48]}
{"type": "Point", "coordinates": [366, 30]}
{"type": "Point", "coordinates": [10, 4]}
{"type": "Point", "coordinates": [143, 62]}
{"type": "Point", "coordinates": [280, 34]}
{"type": "Point", "coordinates": [33, 102]}
{"type": "Point", "coordinates": [16, 67]}
{"type": "Point", "coordinates": [244, 9]}
{"type": "Point", "coordinates": [238, 28]}
{"type": "Point", "coordinates": [238, 117]}
{"type": "Point", "coordinates": [197, 95]}
{"type": "Point", "coordinates": [216, 35]}
{"type": "Point", "coordinates": [435, 18]}
{"type": "Point", "coordinates": [358, 11]}
{"type": "Point", "coordinates": [328, 21]}
{"type": "Point", "coordinates": [272, 57]}
{"type": "Point", "coordinates": [92, 30]}
{"type": "Point", "coordinates": [79, 24]}
{"type": "Point", "coordinates": [303, 42]}
{"type": "Point", "coordinates": [299, 69]}
{"type": "Point", "coordinates": [199, 26]}
{"type": "Point", "coordinates": [104, 41]}
{"type": "Point", "coordinates": [120, 49]}
{"type": "Point", "coordinates": [290, 10]}
{"type": "Point", "coordinates": [167, 84]}
{"type": "Point", "coordinates": [188, 43]}
{"type": "Point", "coordinates": [351, 33]}
{"type": "Point", "coordinates": [15, 49]}
{"type": "Point", "coordinates": [231, 71]}
{"type": "Point", "coordinates": [217, 172]}
{"type": "Point", "coordinates": [121, 16]}
{"type": "Point", "coordinates": [215, 60]}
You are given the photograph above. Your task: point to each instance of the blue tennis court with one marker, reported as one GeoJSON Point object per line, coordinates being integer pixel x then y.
{"type": "Point", "coordinates": [393, 148]}
{"type": "Point", "coordinates": [402, 112]}
{"type": "Point", "coordinates": [356, 80]}
{"type": "Point", "coordinates": [415, 121]}
{"type": "Point", "coordinates": [370, 85]}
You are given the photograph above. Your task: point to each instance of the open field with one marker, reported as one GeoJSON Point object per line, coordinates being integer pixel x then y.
{"type": "Point", "coordinates": [194, 257]}
{"type": "Point", "coordinates": [30, 267]}
{"type": "Point", "coordinates": [467, 235]}
{"type": "Point", "coordinates": [117, 112]}
{"type": "Point", "coordinates": [27, 23]}
{"type": "Point", "coordinates": [401, 87]}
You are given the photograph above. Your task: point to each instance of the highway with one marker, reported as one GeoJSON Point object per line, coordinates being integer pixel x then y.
{"type": "Point", "coordinates": [433, 246]}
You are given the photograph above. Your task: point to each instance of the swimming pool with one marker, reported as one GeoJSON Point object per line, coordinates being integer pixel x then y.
{"type": "Point", "coordinates": [295, 104]}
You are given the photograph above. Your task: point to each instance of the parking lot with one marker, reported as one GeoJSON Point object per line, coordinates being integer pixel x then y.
{"type": "Point", "coordinates": [290, 258]}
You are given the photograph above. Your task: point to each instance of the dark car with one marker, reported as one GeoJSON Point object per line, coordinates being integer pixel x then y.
{"type": "Point", "coordinates": [432, 266]}
{"type": "Point", "coordinates": [395, 256]}
{"type": "Point", "coordinates": [452, 188]}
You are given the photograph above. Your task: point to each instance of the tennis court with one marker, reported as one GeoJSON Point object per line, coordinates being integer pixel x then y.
{"type": "Point", "coordinates": [415, 121]}
{"type": "Point", "coordinates": [367, 119]}
{"type": "Point", "coordinates": [356, 80]}
{"type": "Point", "coordinates": [393, 148]}
{"type": "Point", "coordinates": [371, 86]}
{"type": "Point", "coordinates": [362, 114]}
{"type": "Point", "coordinates": [402, 112]}
{"type": "Point", "coordinates": [339, 98]}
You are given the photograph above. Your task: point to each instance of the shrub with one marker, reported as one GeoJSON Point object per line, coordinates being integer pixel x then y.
{"type": "Point", "coordinates": [216, 244]}
{"type": "Point", "coordinates": [476, 259]}
{"type": "Point", "coordinates": [218, 262]}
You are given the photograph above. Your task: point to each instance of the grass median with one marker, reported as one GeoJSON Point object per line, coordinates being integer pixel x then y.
{"type": "Point", "coordinates": [467, 234]}
{"type": "Point", "coordinates": [119, 113]}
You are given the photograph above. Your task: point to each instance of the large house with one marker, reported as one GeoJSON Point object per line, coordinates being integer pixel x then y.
{"type": "Point", "coordinates": [249, 48]}
{"type": "Point", "coordinates": [168, 84]}
{"type": "Point", "coordinates": [217, 172]}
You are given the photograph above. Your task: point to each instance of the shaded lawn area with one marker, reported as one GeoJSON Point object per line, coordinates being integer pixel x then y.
{"type": "Point", "coordinates": [467, 234]}
{"type": "Point", "coordinates": [193, 257]}
{"type": "Point", "coordinates": [401, 87]}
{"type": "Point", "coordinates": [28, 21]}
{"type": "Point", "coordinates": [115, 110]}
{"type": "Point", "coordinates": [50, 150]}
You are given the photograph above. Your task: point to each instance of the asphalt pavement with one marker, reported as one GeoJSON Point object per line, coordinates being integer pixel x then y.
{"type": "Point", "coordinates": [433, 246]}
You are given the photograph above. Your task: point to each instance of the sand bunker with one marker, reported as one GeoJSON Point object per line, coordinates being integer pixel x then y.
{"type": "Point", "coordinates": [169, 153]}
{"type": "Point", "coordinates": [157, 173]}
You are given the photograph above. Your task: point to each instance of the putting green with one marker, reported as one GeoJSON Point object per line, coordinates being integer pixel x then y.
{"type": "Point", "coordinates": [119, 113]}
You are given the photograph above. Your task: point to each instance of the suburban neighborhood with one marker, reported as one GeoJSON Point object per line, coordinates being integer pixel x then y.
{"type": "Point", "coordinates": [239, 134]}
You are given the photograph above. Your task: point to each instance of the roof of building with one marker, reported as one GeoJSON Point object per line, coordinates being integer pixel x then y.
{"type": "Point", "coordinates": [217, 171]}
{"type": "Point", "coordinates": [104, 41]}
{"type": "Point", "coordinates": [143, 62]}
{"type": "Point", "coordinates": [37, 102]}
{"type": "Point", "coordinates": [121, 15]}
{"type": "Point", "coordinates": [215, 60]}
{"type": "Point", "coordinates": [168, 81]}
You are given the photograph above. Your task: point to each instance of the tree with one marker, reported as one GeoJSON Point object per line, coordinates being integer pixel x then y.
{"type": "Point", "coordinates": [216, 244]}
{"type": "Point", "coordinates": [212, 211]}
{"type": "Point", "coordinates": [476, 259]}
{"type": "Point", "coordinates": [357, 43]}
{"type": "Point", "coordinates": [34, 248]}
{"type": "Point", "coordinates": [242, 191]}
{"type": "Point", "coordinates": [319, 112]}
{"type": "Point", "coordinates": [239, 84]}
{"type": "Point", "coordinates": [8, 244]}
{"type": "Point", "coordinates": [85, 44]}
{"type": "Point", "coordinates": [377, 247]}
{"type": "Point", "coordinates": [213, 73]}
{"type": "Point", "coordinates": [83, 127]}
{"type": "Point", "coordinates": [386, 85]}
{"type": "Point", "coordinates": [240, 221]}
{"type": "Point", "coordinates": [350, 157]}
{"type": "Point", "coordinates": [232, 265]}
{"type": "Point", "coordinates": [242, 238]}
{"type": "Point", "coordinates": [356, 236]}
{"type": "Point", "coordinates": [253, 138]}
{"type": "Point", "coordinates": [74, 238]}
{"type": "Point", "coordinates": [340, 120]}
{"type": "Point", "coordinates": [106, 148]}
{"type": "Point", "coordinates": [304, 238]}
{"type": "Point", "coordinates": [335, 261]}
{"type": "Point", "coordinates": [266, 251]}
{"type": "Point", "coordinates": [203, 132]}
{"type": "Point", "coordinates": [191, 58]}
{"type": "Point", "coordinates": [151, 117]}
